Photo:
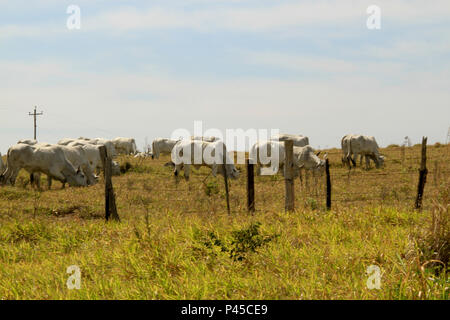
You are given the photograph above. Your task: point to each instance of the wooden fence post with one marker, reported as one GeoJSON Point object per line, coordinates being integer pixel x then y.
{"type": "Point", "coordinates": [225, 176]}
{"type": "Point", "coordinates": [327, 172]}
{"type": "Point", "coordinates": [250, 186]}
{"type": "Point", "coordinates": [422, 174]}
{"type": "Point", "coordinates": [289, 175]}
{"type": "Point", "coordinates": [110, 199]}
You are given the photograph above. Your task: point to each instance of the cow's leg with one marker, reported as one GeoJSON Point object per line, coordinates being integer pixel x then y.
{"type": "Point", "coordinates": [215, 169]}
{"type": "Point", "coordinates": [187, 170]}
{"type": "Point", "coordinates": [37, 179]}
{"type": "Point", "coordinates": [49, 182]}
{"type": "Point", "coordinates": [176, 172]}
{"type": "Point", "coordinates": [11, 174]}
{"type": "Point", "coordinates": [13, 177]}
{"type": "Point", "coordinates": [300, 177]}
{"type": "Point", "coordinates": [32, 182]}
{"type": "Point", "coordinates": [367, 162]}
{"type": "Point", "coordinates": [307, 180]}
{"type": "Point", "coordinates": [353, 159]}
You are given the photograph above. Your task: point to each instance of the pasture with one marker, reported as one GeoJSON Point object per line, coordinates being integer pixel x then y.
{"type": "Point", "coordinates": [176, 241]}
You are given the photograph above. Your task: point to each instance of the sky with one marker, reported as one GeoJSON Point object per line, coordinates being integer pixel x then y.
{"type": "Point", "coordinates": [143, 69]}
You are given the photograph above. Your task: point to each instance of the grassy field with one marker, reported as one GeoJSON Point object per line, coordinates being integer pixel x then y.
{"type": "Point", "coordinates": [176, 240]}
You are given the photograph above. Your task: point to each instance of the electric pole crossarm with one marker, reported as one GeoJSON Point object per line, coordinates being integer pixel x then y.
{"type": "Point", "coordinates": [35, 114]}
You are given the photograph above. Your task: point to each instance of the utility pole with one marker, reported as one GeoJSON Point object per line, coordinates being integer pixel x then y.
{"type": "Point", "coordinates": [34, 114]}
{"type": "Point", "coordinates": [448, 136]}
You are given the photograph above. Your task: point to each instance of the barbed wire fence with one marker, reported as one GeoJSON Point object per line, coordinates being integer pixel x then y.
{"type": "Point", "coordinates": [395, 183]}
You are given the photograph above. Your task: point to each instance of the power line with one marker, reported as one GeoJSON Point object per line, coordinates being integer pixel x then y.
{"type": "Point", "coordinates": [35, 114]}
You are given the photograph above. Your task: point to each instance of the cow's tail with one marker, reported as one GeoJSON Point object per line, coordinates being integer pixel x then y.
{"type": "Point", "coordinates": [342, 142]}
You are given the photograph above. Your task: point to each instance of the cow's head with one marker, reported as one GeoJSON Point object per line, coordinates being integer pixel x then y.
{"type": "Point", "coordinates": [232, 172]}
{"type": "Point", "coordinates": [380, 162]}
{"type": "Point", "coordinates": [78, 179]}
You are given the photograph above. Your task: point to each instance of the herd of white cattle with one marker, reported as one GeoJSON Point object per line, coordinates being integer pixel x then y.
{"type": "Point", "coordinates": [75, 161]}
{"type": "Point", "coordinates": [78, 162]}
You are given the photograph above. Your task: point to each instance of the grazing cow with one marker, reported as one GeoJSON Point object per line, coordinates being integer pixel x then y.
{"type": "Point", "coordinates": [304, 157]}
{"type": "Point", "coordinates": [162, 146]}
{"type": "Point", "coordinates": [125, 145]}
{"type": "Point", "coordinates": [35, 177]}
{"type": "Point", "coordinates": [48, 160]}
{"type": "Point", "coordinates": [211, 154]}
{"type": "Point", "coordinates": [76, 156]}
{"type": "Point", "coordinates": [92, 154]}
{"type": "Point", "coordinates": [364, 146]}
{"type": "Point", "coordinates": [299, 140]}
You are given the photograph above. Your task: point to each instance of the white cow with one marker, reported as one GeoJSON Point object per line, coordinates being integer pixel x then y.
{"type": "Point", "coordinates": [211, 155]}
{"type": "Point", "coordinates": [364, 146]}
{"type": "Point", "coordinates": [299, 140]}
{"type": "Point", "coordinates": [76, 156]}
{"type": "Point", "coordinates": [48, 160]}
{"type": "Point", "coordinates": [125, 145]}
{"type": "Point", "coordinates": [65, 141]}
{"type": "Point", "coordinates": [207, 139]}
{"type": "Point", "coordinates": [304, 157]}
{"type": "Point", "coordinates": [162, 146]}
{"type": "Point", "coordinates": [92, 154]}
{"type": "Point", "coordinates": [345, 146]}
{"type": "Point", "coordinates": [30, 142]}
{"type": "Point", "coordinates": [97, 141]}
{"type": "Point", "coordinates": [108, 144]}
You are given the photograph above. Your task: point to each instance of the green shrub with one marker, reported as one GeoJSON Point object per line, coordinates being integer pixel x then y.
{"type": "Point", "coordinates": [211, 188]}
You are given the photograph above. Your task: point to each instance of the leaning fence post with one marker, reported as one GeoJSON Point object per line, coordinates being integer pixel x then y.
{"type": "Point", "coordinates": [250, 186]}
{"type": "Point", "coordinates": [110, 199]}
{"type": "Point", "coordinates": [422, 174]}
{"type": "Point", "coordinates": [289, 175]}
{"type": "Point", "coordinates": [327, 172]}
{"type": "Point", "coordinates": [225, 177]}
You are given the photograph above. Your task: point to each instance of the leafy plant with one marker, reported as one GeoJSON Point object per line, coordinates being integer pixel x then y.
{"type": "Point", "coordinates": [211, 188]}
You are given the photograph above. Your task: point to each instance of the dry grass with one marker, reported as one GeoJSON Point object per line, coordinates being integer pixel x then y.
{"type": "Point", "coordinates": [175, 239]}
